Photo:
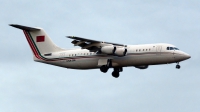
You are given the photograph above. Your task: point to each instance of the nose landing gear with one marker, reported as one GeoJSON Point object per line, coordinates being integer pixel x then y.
{"type": "Point", "coordinates": [178, 66]}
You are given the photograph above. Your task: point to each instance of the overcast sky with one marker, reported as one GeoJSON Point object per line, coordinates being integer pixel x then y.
{"type": "Point", "coordinates": [28, 86]}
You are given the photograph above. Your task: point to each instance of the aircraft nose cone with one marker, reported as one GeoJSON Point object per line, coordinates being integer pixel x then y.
{"type": "Point", "coordinates": [187, 56]}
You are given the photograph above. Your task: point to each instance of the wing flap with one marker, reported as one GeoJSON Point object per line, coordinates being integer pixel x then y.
{"type": "Point", "coordinates": [83, 39]}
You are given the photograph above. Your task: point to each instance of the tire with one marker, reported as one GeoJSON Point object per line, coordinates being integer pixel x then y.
{"type": "Point", "coordinates": [115, 74]}
{"type": "Point", "coordinates": [104, 68]}
{"type": "Point", "coordinates": [178, 66]}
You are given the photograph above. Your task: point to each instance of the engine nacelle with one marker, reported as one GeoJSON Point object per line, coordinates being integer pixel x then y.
{"type": "Point", "coordinates": [108, 49]}
{"type": "Point", "coordinates": [121, 51]}
{"type": "Point", "coordinates": [142, 67]}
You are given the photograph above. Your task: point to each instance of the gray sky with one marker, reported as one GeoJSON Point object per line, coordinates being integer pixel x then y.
{"type": "Point", "coordinates": [27, 86]}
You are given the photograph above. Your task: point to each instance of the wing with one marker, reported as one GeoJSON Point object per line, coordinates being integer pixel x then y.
{"type": "Point", "coordinates": [92, 45]}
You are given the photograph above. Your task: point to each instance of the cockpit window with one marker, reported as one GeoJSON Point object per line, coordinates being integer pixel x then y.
{"type": "Point", "coordinates": [172, 48]}
{"type": "Point", "coordinates": [176, 48]}
{"type": "Point", "coordinates": [167, 48]}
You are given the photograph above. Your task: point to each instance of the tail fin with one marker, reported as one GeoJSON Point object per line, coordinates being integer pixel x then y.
{"type": "Point", "coordinates": [39, 41]}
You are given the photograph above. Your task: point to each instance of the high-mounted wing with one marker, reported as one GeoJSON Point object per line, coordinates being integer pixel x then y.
{"type": "Point", "coordinates": [92, 45]}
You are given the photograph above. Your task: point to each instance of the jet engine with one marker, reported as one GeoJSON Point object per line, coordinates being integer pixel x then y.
{"type": "Point", "coordinates": [142, 67]}
{"type": "Point", "coordinates": [120, 51]}
{"type": "Point", "coordinates": [108, 49]}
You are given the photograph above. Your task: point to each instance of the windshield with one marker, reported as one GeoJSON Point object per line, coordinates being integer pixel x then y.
{"type": "Point", "coordinates": [172, 48]}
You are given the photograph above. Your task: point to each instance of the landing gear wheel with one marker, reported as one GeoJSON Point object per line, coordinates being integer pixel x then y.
{"type": "Point", "coordinates": [178, 66]}
{"type": "Point", "coordinates": [121, 69]}
{"type": "Point", "coordinates": [104, 68]}
{"type": "Point", "coordinates": [115, 74]}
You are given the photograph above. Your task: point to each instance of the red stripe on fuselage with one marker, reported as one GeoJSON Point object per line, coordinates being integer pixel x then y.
{"type": "Point", "coordinates": [31, 45]}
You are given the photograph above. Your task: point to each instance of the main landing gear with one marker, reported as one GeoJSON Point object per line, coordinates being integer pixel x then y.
{"type": "Point", "coordinates": [115, 72]}
{"type": "Point", "coordinates": [178, 66]}
{"type": "Point", "coordinates": [105, 68]}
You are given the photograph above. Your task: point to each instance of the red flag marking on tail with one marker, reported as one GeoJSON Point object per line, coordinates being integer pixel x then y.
{"type": "Point", "coordinates": [40, 38]}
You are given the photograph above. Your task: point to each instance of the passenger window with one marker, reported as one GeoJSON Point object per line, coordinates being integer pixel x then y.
{"type": "Point", "coordinates": [167, 48]}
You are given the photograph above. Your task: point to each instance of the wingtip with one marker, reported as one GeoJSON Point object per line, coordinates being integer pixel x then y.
{"type": "Point", "coordinates": [11, 24]}
{"type": "Point", "coordinates": [14, 25]}
{"type": "Point", "coordinates": [70, 36]}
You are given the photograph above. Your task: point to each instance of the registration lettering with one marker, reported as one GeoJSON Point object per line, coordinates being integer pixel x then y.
{"type": "Point", "coordinates": [70, 60]}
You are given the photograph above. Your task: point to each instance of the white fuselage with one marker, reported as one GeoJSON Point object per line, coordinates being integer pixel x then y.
{"type": "Point", "coordinates": [137, 55]}
{"type": "Point", "coordinates": [98, 54]}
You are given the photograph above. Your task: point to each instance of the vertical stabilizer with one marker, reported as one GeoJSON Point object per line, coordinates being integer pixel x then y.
{"type": "Point", "coordinates": [39, 41]}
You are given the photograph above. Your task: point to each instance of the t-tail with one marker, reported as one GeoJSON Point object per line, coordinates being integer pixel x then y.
{"type": "Point", "coordinates": [39, 42]}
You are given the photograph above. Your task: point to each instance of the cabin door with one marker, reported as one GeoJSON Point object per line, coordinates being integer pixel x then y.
{"type": "Point", "coordinates": [158, 50]}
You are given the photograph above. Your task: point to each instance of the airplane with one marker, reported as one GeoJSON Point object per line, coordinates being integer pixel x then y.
{"type": "Point", "coordinates": [101, 55]}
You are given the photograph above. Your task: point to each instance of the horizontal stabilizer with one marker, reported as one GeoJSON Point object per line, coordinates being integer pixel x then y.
{"type": "Point", "coordinates": [24, 27]}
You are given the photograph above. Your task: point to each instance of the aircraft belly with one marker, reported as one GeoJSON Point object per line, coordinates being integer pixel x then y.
{"type": "Point", "coordinates": [76, 64]}
{"type": "Point", "coordinates": [88, 63]}
{"type": "Point", "coordinates": [82, 64]}
{"type": "Point", "coordinates": [135, 60]}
